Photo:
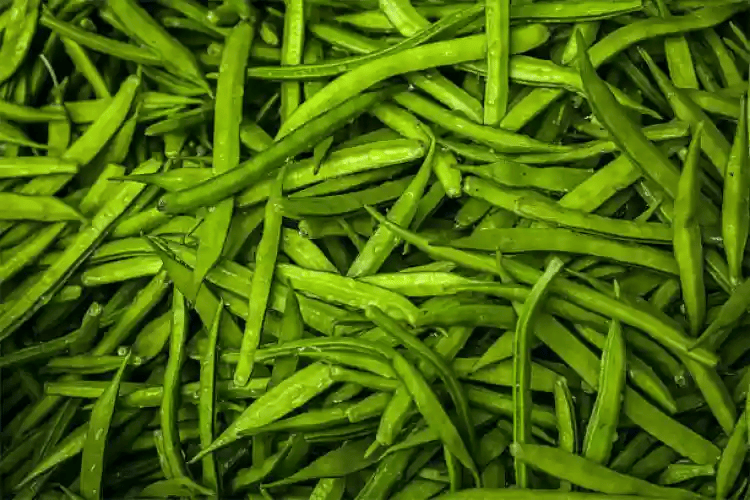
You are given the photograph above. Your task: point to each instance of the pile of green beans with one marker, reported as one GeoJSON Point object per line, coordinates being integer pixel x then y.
{"type": "Point", "coordinates": [375, 249]}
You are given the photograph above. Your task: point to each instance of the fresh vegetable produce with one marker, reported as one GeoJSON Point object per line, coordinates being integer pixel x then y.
{"type": "Point", "coordinates": [374, 249]}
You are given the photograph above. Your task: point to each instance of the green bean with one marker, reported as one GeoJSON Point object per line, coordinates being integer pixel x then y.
{"type": "Point", "coordinates": [19, 452]}
{"type": "Point", "coordinates": [320, 151]}
{"type": "Point", "coordinates": [177, 486]}
{"type": "Point", "coordinates": [5, 18]}
{"type": "Point", "coordinates": [688, 247]}
{"type": "Point", "coordinates": [739, 51]}
{"type": "Point", "coordinates": [615, 42]}
{"type": "Point", "coordinates": [499, 139]}
{"type": "Point", "coordinates": [204, 300]}
{"type": "Point", "coordinates": [36, 208]}
{"type": "Point", "coordinates": [522, 364]}
{"type": "Point", "coordinates": [562, 240]}
{"type": "Point", "coordinates": [87, 111]}
{"type": "Point", "coordinates": [510, 173]}
{"type": "Point", "coordinates": [386, 476]}
{"type": "Point", "coordinates": [85, 365]}
{"type": "Point", "coordinates": [41, 291]}
{"type": "Point", "coordinates": [304, 252]}
{"type": "Point", "coordinates": [99, 43]}
{"type": "Point", "coordinates": [447, 173]}
{"type": "Point", "coordinates": [634, 449]}
{"type": "Point", "coordinates": [292, 329]}
{"type": "Point", "coordinates": [313, 419]}
{"type": "Point", "coordinates": [584, 11]}
{"type": "Point", "coordinates": [92, 460]}
{"type": "Point", "coordinates": [590, 475]}
{"type": "Point", "coordinates": [121, 270]}
{"type": "Point", "coordinates": [537, 72]}
{"type": "Point", "coordinates": [100, 190]}
{"type": "Point", "coordinates": [247, 173]}
{"type": "Point", "coordinates": [169, 404]}
{"type": "Point", "coordinates": [665, 131]}
{"type": "Point", "coordinates": [323, 317]}
{"type": "Point", "coordinates": [321, 227]}
{"type": "Point", "coordinates": [175, 57]}
{"type": "Point", "coordinates": [73, 341]}
{"type": "Point", "coordinates": [585, 296]}
{"type": "Point", "coordinates": [434, 414]}
{"type": "Point", "coordinates": [565, 413]}
{"type": "Point", "coordinates": [255, 474]}
{"type": "Point", "coordinates": [714, 144]}
{"type": "Point", "coordinates": [207, 399]}
{"type": "Point", "coordinates": [28, 251]}
{"type": "Point", "coordinates": [172, 180]}
{"type": "Point", "coordinates": [382, 242]}
{"type": "Point", "coordinates": [179, 121]}
{"type": "Point", "coordinates": [728, 314]}
{"type": "Point", "coordinates": [12, 135]}
{"type": "Point", "coordinates": [728, 468]}
{"type": "Point", "coordinates": [368, 407]}
{"type": "Point", "coordinates": [536, 206]}
{"type": "Point", "coordinates": [512, 494]}
{"type": "Point", "coordinates": [337, 204]}
{"type": "Point", "coordinates": [639, 373]}
{"type": "Point", "coordinates": [679, 58]}
{"type": "Point", "coordinates": [260, 287]}
{"type": "Point", "coordinates": [354, 360]}
{"type": "Point", "coordinates": [602, 427]}
{"type": "Point", "coordinates": [362, 77]}
{"type": "Point", "coordinates": [85, 148]}
{"type": "Point", "coordinates": [140, 223]}
{"type": "Point", "coordinates": [729, 72]}
{"type": "Point", "coordinates": [349, 182]}
{"type": "Point", "coordinates": [67, 448]}
{"type": "Point", "coordinates": [194, 11]}
{"type": "Point", "coordinates": [642, 82]}
{"type": "Point", "coordinates": [25, 114]}
{"type": "Point", "coordinates": [625, 133]}
{"type": "Point", "coordinates": [84, 64]}
{"type": "Point", "coordinates": [340, 163]}
{"type": "Point", "coordinates": [498, 44]}
{"type": "Point", "coordinates": [328, 488]}
{"type": "Point", "coordinates": [602, 185]}
{"type": "Point", "coordinates": [427, 355]}
{"type": "Point", "coordinates": [494, 443]}
{"type": "Point", "coordinates": [399, 406]}
{"type": "Point", "coordinates": [342, 461]}
{"type": "Point", "coordinates": [363, 379]}
{"type": "Point", "coordinates": [17, 36]}
{"type": "Point", "coordinates": [335, 67]}
{"type": "Point", "coordinates": [678, 473]}
{"type": "Point", "coordinates": [427, 435]}
{"type": "Point", "coordinates": [145, 396]}
{"type": "Point", "coordinates": [726, 107]}
{"type": "Point", "coordinates": [470, 315]}
{"type": "Point", "coordinates": [655, 461]}
{"type": "Point", "coordinates": [555, 12]}
{"type": "Point", "coordinates": [432, 82]}
{"type": "Point", "coordinates": [228, 109]}
{"type": "Point", "coordinates": [274, 404]}
{"type": "Point", "coordinates": [471, 212]}
{"type": "Point", "coordinates": [142, 304]}
{"type": "Point", "coordinates": [291, 54]}
{"type": "Point", "coordinates": [254, 137]}
{"type": "Point", "coordinates": [736, 203]}
{"type": "Point", "coordinates": [569, 348]}
{"type": "Point", "coordinates": [501, 374]}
